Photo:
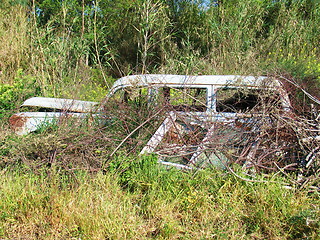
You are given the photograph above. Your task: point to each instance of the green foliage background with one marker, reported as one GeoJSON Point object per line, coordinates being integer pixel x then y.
{"type": "Point", "coordinates": [66, 45]}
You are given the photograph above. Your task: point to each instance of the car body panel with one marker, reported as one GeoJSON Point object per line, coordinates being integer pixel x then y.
{"type": "Point", "coordinates": [27, 122]}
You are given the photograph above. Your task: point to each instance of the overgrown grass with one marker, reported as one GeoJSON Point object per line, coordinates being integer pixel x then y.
{"type": "Point", "coordinates": [142, 200]}
{"type": "Point", "coordinates": [66, 44]}
{"type": "Point", "coordinates": [14, 41]}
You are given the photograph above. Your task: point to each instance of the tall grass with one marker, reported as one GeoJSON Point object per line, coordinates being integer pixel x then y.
{"type": "Point", "coordinates": [67, 43]}
{"type": "Point", "coordinates": [53, 54]}
{"type": "Point", "coordinates": [235, 37]}
{"type": "Point", "coordinates": [33, 207]}
{"type": "Point", "coordinates": [146, 201]}
{"type": "Point", "coordinates": [14, 41]}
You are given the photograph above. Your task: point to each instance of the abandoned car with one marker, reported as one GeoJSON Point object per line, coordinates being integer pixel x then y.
{"type": "Point", "coordinates": [201, 110]}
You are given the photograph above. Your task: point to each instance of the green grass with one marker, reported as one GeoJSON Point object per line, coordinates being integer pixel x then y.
{"type": "Point", "coordinates": [142, 200]}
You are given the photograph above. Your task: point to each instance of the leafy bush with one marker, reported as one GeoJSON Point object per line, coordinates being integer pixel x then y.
{"type": "Point", "coordinates": [11, 95]}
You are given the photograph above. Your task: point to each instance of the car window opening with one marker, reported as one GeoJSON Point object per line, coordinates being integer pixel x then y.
{"type": "Point", "coordinates": [236, 100]}
{"type": "Point", "coordinates": [186, 99]}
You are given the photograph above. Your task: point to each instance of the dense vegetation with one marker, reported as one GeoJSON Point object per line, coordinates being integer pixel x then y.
{"type": "Point", "coordinates": [147, 202]}
{"type": "Point", "coordinates": [66, 45]}
{"type": "Point", "coordinates": [67, 183]}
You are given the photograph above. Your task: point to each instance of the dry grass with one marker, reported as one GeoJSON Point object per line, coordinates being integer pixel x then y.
{"type": "Point", "coordinates": [14, 41]}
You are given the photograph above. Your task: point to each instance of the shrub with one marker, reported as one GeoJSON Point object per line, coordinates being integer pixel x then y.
{"type": "Point", "coordinates": [11, 95]}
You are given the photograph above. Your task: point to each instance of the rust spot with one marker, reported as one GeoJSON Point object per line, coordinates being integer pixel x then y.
{"type": "Point", "coordinates": [241, 125]}
{"type": "Point", "coordinates": [174, 134]}
{"type": "Point", "coordinates": [17, 121]}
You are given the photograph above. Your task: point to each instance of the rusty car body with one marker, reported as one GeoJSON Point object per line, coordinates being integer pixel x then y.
{"type": "Point", "coordinates": [199, 104]}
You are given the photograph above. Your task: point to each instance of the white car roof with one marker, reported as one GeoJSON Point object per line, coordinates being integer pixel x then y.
{"type": "Point", "coordinates": [194, 81]}
{"type": "Point", "coordinates": [63, 104]}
